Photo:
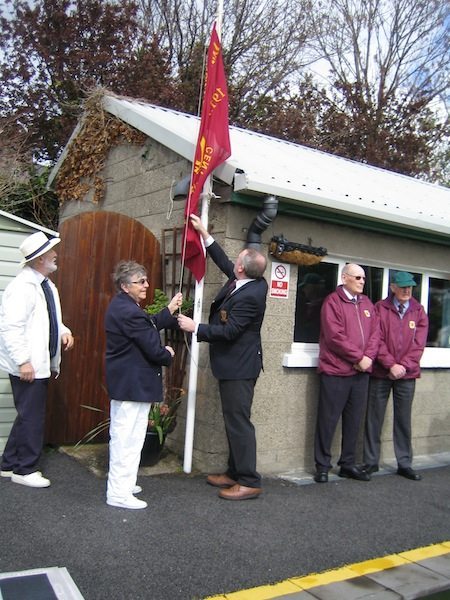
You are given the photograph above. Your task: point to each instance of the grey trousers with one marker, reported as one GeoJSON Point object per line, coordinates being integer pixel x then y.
{"type": "Point", "coordinates": [402, 394]}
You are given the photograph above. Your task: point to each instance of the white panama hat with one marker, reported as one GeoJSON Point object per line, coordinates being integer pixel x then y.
{"type": "Point", "coordinates": [35, 245]}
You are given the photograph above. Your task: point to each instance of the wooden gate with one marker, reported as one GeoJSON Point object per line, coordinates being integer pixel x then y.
{"type": "Point", "coordinates": [91, 245]}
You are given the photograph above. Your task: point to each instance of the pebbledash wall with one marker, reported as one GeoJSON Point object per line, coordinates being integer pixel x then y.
{"type": "Point", "coordinates": [138, 183]}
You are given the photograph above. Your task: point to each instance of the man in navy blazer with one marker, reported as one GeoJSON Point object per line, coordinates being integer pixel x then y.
{"type": "Point", "coordinates": [234, 335]}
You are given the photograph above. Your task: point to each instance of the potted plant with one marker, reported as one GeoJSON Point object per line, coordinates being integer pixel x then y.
{"type": "Point", "coordinates": [161, 421]}
{"type": "Point", "coordinates": [162, 417]}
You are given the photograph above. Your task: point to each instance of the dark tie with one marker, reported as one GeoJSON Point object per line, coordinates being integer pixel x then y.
{"type": "Point", "coordinates": [230, 289]}
{"type": "Point", "coordinates": [52, 317]}
{"type": "Point", "coordinates": [401, 308]}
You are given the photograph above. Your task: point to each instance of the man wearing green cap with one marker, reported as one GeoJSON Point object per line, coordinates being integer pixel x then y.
{"type": "Point", "coordinates": [404, 329]}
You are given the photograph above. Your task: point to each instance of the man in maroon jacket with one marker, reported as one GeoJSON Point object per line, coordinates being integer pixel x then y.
{"type": "Point", "coordinates": [404, 329]}
{"type": "Point", "coordinates": [349, 339]}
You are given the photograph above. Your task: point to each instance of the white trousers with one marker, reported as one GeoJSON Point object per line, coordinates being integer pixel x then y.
{"type": "Point", "coordinates": [127, 431]}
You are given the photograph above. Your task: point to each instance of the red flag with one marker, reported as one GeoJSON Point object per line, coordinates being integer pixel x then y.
{"type": "Point", "coordinates": [213, 148]}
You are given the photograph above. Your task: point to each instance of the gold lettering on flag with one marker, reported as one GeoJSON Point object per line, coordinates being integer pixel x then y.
{"type": "Point", "coordinates": [212, 149]}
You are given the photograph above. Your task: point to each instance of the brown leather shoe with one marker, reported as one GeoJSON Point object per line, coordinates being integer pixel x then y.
{"type": "Point", "coordinates": [240, 492]}
{"type": "Point", "coordinates": [221, 481]}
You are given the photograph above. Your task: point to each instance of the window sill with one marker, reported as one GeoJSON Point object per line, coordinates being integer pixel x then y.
{"type": "Point", "coordinates": [301, 355]}
{"type": "Point", "coordinates": [306, 355]}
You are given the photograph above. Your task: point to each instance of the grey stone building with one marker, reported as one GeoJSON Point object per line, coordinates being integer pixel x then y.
{"type": "Point", "coordinates": [379, 219]}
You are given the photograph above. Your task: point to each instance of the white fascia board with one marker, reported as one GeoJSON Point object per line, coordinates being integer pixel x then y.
{"type": "Point", "coordinates": [162, 127]}
{"type": "Point", "coordinates": [378, 211]}
{"type": "Point", "coordinates": [176, 131]}
{"type": "Point", "coordinates": [226, 172]}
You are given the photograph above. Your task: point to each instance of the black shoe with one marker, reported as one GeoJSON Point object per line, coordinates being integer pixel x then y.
{"type": "Point", "coordinates": [354, 473]}
{"type": "Point", "coordinates": [408, 473]}
{"type": "Point", "coordinates": [371, 469]}
{"type": "Point", "coordinates": [321, 477]}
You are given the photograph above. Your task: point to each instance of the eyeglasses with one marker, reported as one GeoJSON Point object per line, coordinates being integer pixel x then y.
{"type": "Point", "coordinates": [141, 281]}
{"type": "Point", "coordinates": [357, 277]}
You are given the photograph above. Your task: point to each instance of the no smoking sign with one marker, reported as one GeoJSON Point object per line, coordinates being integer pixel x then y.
{"type": "Point", "coordinates": [279, 280]}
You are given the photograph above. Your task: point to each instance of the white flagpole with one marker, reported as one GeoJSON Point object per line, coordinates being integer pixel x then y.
{"type": "Point", "coordinates": [193, 367]}
{"type": "Point", "coordinates": [219, 18]}
{"type": "Point", "coordinates": [197, 312]}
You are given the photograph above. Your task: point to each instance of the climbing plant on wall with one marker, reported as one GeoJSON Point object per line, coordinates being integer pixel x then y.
{"type": "Point", "coordinates": [99, 132]}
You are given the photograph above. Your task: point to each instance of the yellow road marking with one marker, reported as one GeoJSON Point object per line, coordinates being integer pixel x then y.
{"type": "Point", "coordinates": [298, 584]}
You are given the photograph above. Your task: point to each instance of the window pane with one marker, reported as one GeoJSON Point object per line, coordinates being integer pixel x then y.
{"type": "Point", "coordinates": [417, 289]}
{"type": "Point", "coordinates": [374, 282]}
{"type": "Point", "coordinates": [314, 283]}
{"type": "Point", "coordinates": [439, 313]}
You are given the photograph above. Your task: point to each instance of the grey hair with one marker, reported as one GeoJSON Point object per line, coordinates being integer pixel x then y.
{"type": "Point", "coordinates": [254, 263]}
{"type": "Point", "coordinates": [124, 272]}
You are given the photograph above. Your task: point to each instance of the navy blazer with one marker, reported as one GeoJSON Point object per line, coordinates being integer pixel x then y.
{"type": "Point", "coordinates": [234, 329]}
{"type": "Point", "coordinates": [134, 353]}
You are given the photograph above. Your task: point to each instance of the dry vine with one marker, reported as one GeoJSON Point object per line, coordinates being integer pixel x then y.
{"type": "Point", "coordinates": [100, 131]}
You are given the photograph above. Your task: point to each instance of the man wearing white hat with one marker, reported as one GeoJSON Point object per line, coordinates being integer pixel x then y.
{"type": "Point", "coordinates": [31, 336]}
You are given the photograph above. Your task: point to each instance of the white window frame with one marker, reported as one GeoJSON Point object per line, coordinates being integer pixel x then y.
{"type": "Point", "coordinates": [303, 354]}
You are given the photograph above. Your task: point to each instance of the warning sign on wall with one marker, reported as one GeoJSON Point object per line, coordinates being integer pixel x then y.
{"type": "Point", "coordinates": [279, 280]}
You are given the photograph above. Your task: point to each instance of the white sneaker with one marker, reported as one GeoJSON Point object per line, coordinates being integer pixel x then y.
{"type": "Point", "coordinates": [136, 490]}
{"type": "Point", "coordinates": [35, 480]}
{"type": "Point", "coordinates": [10, 473]}
{"type": "Point", "coordinates": [130, 502]}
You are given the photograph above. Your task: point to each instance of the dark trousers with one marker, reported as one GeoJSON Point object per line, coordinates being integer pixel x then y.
{"type": "Point", "coordinates": [402, 394]}
{"type": "Point", "coordinates": [237, 397]}
{"type": "Point", "coordinates": [25, 442]}
{"type": "Point", "coordinates": [339, 396]}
